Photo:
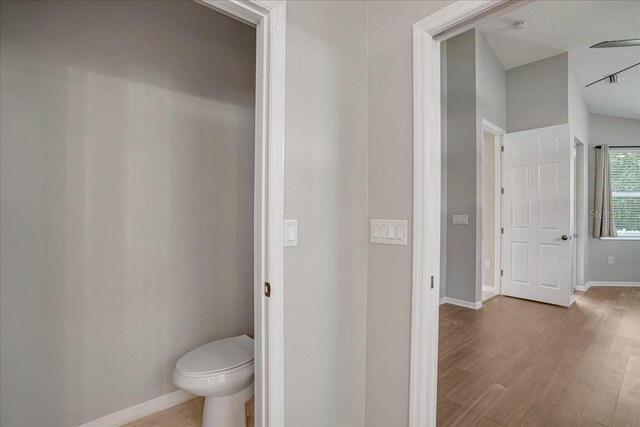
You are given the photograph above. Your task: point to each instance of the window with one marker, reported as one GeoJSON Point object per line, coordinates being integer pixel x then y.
{"type": "Point", "coordinates": [625, 190]}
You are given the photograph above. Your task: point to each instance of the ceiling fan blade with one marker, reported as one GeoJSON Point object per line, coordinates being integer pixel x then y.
{"type": "Point", "coordinates": [617, 43]}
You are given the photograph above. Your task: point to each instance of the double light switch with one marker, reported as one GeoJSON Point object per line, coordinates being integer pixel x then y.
{"type": "Point", "coordinates": [389, 231]}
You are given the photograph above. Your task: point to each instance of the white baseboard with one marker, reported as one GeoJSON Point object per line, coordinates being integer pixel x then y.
{"type": "Point", "coordinates": [461, 303]}
{"type": "Point", "coordinates": [586, 286]}
{"type": "Point", "coordinates": [142, 410]}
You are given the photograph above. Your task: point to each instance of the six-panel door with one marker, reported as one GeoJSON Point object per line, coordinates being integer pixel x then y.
{"type": "Point", "coordinates": [537, 215]}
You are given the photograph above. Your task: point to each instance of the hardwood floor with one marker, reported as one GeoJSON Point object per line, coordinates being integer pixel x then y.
{"type": "Point", "coordinates": [187, 414]}
{"type": "Point", "coordinates": [521, 363]}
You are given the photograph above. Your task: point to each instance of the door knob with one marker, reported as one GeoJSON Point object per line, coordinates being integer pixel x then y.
{"type": "Point", "coordinates": [565, 237]}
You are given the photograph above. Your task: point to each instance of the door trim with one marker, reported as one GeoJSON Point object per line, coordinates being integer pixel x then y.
{"type": "Point", "coordinates": [269, 20]}
{"type": "Point", "coordinates": [448, 22]}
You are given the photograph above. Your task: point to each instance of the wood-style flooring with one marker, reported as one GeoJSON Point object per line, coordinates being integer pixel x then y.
{"type": "Point", "coordinates": [521, 363]}
{"type": "Point", "coordinates": [187, 414]}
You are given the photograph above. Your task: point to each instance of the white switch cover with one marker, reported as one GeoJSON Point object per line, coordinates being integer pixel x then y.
{"type": "Point", "coordinates": [389, 231]}
{"type": "Point", "coordinates": [460, 219]}
{"type": "Point", "coordinates": [290, 233]}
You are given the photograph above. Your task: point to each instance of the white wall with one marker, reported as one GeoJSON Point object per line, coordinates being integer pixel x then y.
{"type": "Point", "coordinates": [390, 192]}
{"type": "Point", "coordinates": [626, 254]}
{"type": "Point", "coordinates": [127, 200]}
{"type": "Point", "coordinates": [537, 94]}
{"type": "Point", "coordinates": [577, 108]}
{"type": "Point", "coordinates": [579, 124]}
{"type": "Point", "coordinates": [326, 190]}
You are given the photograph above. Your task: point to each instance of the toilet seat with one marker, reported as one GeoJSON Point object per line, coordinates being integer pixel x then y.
{"type": "Point", "coordinates": [222, 372]}
{"type": "Point", "coordinates": [216, 357]}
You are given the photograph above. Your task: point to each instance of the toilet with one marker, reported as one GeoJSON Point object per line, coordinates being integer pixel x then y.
{"type": "Point", "coordinates": [222, 372]}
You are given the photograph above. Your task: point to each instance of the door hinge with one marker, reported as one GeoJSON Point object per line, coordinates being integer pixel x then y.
{"type": "Point", "coordinates": [502, 230]}
{"type": "Point", "coordinates": [267, 289]}
{"type": "Point", "coordinates": [502, 148]}
{"type": "Point", "coordinates": [432, 282]}
{"type": "Point", "coordinates": [502, 190]}
{"type": "Point", "coordinates": [502, 272]}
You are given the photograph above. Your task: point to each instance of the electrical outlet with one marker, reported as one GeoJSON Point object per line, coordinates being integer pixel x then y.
{"type": "Point", "coordinates": [610, 260]}
{"type": "Point", "coordinates": [487, 263]}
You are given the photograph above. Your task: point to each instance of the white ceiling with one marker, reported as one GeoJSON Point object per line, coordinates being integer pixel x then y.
{"type": "Point", "coordinates": [554, 27]}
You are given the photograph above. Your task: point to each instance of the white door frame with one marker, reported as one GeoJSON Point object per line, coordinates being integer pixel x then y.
{"type": "Point", "coordinates": [446, 23]}
{"type": "Point", "coordinates": [498, 133]}
{"type": "Point", "coordinates": [269, 20]}
{"type": "Point", "coordinates": [581, 204]}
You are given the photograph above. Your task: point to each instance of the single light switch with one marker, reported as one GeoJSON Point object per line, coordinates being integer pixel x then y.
{"type": "Point", "coordinates": [290, 233]}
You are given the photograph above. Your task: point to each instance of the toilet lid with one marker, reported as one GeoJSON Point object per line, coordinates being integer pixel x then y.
{"type": "Point", "coordinates": [217, 356]}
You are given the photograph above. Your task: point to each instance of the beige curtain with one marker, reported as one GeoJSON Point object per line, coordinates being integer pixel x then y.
{"type": "Point", "coordinates": [603, 225]}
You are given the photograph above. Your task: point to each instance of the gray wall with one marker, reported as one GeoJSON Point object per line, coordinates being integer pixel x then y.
{"type": "Point", "coordinates": [537, 94]}
{"type": "Point", "coordinates": [462, 155]}
{"type": "Point", "coordinates": [326, 190]}
{"type": "Point", "coordinates": [475, 90]}
{"type": "Point", "coordinates": [443, 172]}
{"type": "Point", "coordinates": [626, 254]}
{"type": "Point", "coordinates": [127, 200]}
{"type": "Point", "coordinates": [390, 192]}
{"type": "Point", "coordinates": [491, 88]}
{"type": "Point", "coordinates": [491, 85]}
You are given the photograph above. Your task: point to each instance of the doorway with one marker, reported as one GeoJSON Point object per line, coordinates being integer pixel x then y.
{"type": "Point", "coordinates": [491, 209]}
{"type": "Point", "coordinates": [269, 19]}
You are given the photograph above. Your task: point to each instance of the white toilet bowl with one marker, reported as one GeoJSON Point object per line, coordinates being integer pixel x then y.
{"type": "Point", "coordinates": [222, 372]}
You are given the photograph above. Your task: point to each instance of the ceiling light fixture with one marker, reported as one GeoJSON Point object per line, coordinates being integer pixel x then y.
{"type": "Point", "coordinates": [520, 25]}
{"type": "Point", "coordinates": [613, 78]}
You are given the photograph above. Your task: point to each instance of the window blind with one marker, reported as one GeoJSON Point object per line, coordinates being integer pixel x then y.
{"type": "Point", "coordinates": [625, 189]}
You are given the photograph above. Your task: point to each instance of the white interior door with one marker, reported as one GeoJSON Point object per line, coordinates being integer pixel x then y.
{"type": "Point", "coordinates": [537, 215]}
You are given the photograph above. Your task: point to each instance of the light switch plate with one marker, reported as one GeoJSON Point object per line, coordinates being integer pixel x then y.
{"type": "Point", "coordinates": [290, 233]}
{"type": "Point", "coordinates": [389, 231]}
{"type": "Point", "coordinates": [460, 219]}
